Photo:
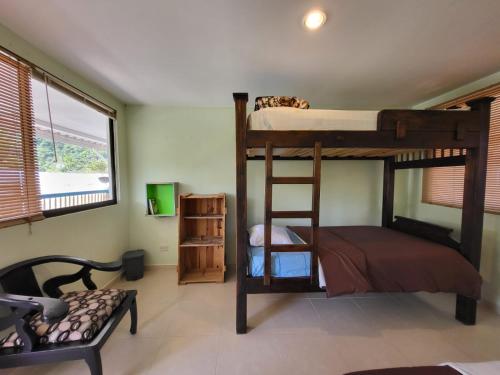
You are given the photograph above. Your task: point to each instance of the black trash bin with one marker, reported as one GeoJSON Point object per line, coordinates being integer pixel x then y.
{"type": "Point", "coordinates": [133, 264]}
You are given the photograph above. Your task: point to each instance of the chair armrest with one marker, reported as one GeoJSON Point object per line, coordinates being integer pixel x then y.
{"type": "Point", "coordinates": [52, 309]}
{"type": "Point", "coordinates": [22, 308]}
{"type": "Point", "coordinates": [51, 287]}
{"type": "Point", "coordinates": [108, 267]}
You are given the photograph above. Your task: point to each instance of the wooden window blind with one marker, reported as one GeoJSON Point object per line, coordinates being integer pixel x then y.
{"type": "Point", "coordinates": [19, 185]}
{"type": "Point", "coordinates": [444, 186]}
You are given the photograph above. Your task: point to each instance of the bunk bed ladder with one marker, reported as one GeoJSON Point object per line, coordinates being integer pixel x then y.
{"type": "Point", "coordinates": [312, 246]}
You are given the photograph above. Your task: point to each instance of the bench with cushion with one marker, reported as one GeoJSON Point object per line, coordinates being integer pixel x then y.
{"type": "Point", "coordinates": [62, 326]}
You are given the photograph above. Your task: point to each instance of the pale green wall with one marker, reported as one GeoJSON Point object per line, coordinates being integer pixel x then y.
{"type": "Point", "coordinates": [451, 217]}
{"type": "Point", "coordinates": [100, 234]}
{"type": "Point", "coordinates": [196, 147]}
{"type": "Point", "coordinates": [191, 146]}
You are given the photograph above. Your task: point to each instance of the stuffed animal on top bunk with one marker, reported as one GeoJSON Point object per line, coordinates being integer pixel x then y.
{"type": "Point", "coordinates": [280, 101]}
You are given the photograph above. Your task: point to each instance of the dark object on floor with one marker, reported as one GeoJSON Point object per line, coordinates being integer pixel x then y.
{"type": "Point", "coordinates": [424, 370]}
{"type": "Point", "coordinates": [133, 264]}
{"type": "Point", "coordinates": [24, 297]}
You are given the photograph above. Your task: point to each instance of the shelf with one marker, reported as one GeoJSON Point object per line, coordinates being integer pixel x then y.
{"type": "Point", "coordinates": [202, 277]}
{"type": "Point", "coordinates": [164, 195]}
{"type": "Point", "coordinates": [202, 221]}
{"type": "Point", "coordinates": [206, 241]}
{"type": "Point", "coordinates": [202, 217]}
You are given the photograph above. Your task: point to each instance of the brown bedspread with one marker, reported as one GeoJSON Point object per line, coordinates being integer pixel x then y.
{"type": "Point", "coordinates": [425, 370]}
{"type": "Point", "coordinates": [359, 259]}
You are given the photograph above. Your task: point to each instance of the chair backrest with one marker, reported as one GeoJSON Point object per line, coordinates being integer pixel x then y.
{"type": "Point", "coordinates": [21, 281]}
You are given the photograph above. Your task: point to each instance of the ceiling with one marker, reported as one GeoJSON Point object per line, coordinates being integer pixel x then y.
{"type": "Point", "coordinates": [370, 54]}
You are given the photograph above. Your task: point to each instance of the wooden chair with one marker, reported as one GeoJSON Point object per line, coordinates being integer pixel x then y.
{"type": "Point", "coordinates": [23, 296]}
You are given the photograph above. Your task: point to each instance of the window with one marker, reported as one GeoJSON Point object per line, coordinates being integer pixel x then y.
{"type": "Point", "coordinates": [74, 146]}
{"type": "Point", "coordinates": [444, 186]}
{"type": "Point", "coordinates": [56, 146]}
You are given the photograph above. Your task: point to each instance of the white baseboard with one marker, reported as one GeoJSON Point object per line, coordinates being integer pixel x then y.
{"type": "Point", "coordinates": [493, 306]}
{"type": "Point", "coordinates": [112, 280]}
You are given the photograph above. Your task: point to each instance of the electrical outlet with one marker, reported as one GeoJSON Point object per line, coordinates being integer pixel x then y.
{"type": "Point", "coordinates": [164, 248]}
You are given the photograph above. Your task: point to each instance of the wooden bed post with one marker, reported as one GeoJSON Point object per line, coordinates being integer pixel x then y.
{"type": "Point", "coordinates": [240, 100]}
{"type": "Point", "coordinates": [473, 204]}
{"type": "Point", "coordinates": [388, 192]}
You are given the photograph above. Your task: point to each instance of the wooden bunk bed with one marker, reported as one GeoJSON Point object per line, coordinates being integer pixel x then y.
{"type": "Point", "coordinates": [404, 139]}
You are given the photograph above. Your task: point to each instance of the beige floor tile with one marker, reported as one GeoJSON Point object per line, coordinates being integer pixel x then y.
{"type": "Point", "coordinates": [189, 318]}
{"type": "Point", "coordinates": [365, 352]}
{"type": "Point", "coordinates": [190, 329]}
{"type": "Point", "coordinates": [312, 354]}
{"type": "Point", "coordinates": [185, 356]}
{"type": "Point", "coordinates": [342, 317]}
{"type": "Point", "coordinates": [426, 311]}
{"type": "Point", "coordinates": [208, 293]}
{"type": "Point", "coordinates": [70, 367]}
{"type": "Point", "coordinates": [390, 313]}
{"type": "Point", "coordinates": [129, 356]}
{"type": "Point", "coordinates": [151, 322]}
{"type": "Point", "coordinates": [425, 347]}
{"type": "Point", "coordinates": [480, 342]}
{"type": "Point", "coordinates": [251, 354]}
{"type": "Point", "coordinates": [282, 314]}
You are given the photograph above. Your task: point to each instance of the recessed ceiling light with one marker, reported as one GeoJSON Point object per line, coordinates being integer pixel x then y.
{"type": "Point", "coordinates": [314, 19]}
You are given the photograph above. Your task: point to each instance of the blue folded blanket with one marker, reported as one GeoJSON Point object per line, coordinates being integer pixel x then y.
{"type": "Point", "coordinates": [282, 264]}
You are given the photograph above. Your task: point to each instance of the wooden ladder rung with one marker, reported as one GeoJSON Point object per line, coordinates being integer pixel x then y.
{"type": "Point", "coordinates": [292, 180]}
{"type": "Point", "coordinates": [292, 248]}
{"type": "Point", "coordinates": [270, 214]}
{"type": "Point", "coordinates": [292, 214]}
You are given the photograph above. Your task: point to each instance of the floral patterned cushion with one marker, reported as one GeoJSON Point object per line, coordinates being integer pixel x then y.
{"type": "Point", "coordinates": [88, 311]}
{"type": "Point", "coordinates": [280, 101]}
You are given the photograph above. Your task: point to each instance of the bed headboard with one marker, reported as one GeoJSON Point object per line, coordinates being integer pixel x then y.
{"type": "Point", "coordinates": [431, 232]}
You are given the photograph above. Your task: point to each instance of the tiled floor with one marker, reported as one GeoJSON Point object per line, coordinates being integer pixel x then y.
{"type": "Point", "coordinates": [190, 330]}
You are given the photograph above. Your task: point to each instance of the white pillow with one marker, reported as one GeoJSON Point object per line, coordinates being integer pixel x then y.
{"type": "Point", "coordinates": [279, 235]}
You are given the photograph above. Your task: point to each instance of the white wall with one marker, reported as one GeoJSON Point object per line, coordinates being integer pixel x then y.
{"type": "Point", "coordinates": [99, 234]}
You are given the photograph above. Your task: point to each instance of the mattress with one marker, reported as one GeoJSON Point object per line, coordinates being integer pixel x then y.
{"type": "Point", "coordinates": [286, 118]}
{"type": "Point", "coordinates": [287, 264]}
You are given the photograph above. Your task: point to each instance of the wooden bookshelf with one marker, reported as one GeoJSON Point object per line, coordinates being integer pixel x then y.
{"type": "Point", "coordinates": [202, 233]}
{"type": "Point", "coordinates": [203, 241]}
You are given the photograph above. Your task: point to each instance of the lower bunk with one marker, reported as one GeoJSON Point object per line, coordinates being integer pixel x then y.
{"type": "Point", "coordinates": [367, 259]}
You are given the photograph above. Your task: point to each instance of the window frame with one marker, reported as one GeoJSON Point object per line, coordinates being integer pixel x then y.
{"type": "Point", "coordinates": [112, 169]}
{"type": "Point", "coordinates": [111, 113]}
{"type": "Point", "coordinates": [459, 100]}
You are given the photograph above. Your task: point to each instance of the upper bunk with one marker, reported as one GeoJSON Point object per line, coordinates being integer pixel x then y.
{"type": "Point", "coordinates": [408, 135]}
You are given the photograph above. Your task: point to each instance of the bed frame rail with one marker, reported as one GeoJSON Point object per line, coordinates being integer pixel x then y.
{"type": "Point", "coordinates": [396, 129]}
